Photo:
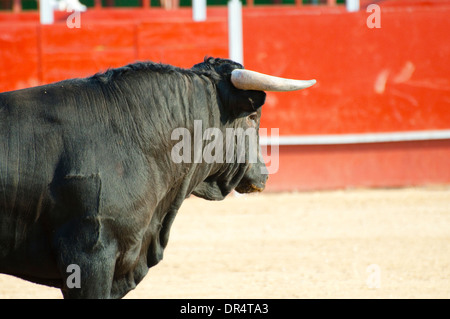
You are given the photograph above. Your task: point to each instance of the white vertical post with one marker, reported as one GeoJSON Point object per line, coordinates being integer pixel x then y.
{"type": "Point", "coordinates": [46, 11]}
{"type": "Point", "coordinates": [235, 44]}
{"type": "Point", "coordinates": [199, 10]}
{"type": "Point", "coordinates": [352, 5]}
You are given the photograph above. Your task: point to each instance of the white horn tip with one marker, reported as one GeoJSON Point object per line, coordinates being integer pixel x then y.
{"type": "Point", "coordinates": [251, 80]}
{"type": "Point", "coordinates": [312, 82]}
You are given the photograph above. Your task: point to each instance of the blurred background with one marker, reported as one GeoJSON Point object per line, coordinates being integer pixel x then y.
{"type": "Point", "coordinates": [379, 115]}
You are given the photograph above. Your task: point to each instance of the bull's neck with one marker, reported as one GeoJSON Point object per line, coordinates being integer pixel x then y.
{"type": "Point", "coordinates": [170, 109]}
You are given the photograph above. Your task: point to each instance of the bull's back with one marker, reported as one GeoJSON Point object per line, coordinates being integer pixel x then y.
{"type": "Point", "coordinates": [35, 125]}
{"type": "Point", "coordinates": [55, 142]}
{"type": "Point", "coordinates": [29, 151]}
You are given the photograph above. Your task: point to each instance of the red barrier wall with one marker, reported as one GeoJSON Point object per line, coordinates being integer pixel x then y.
{"type": "Point", "coordinates": [398, 164]}
{"type": "Point", "coordinates": [395, 78]}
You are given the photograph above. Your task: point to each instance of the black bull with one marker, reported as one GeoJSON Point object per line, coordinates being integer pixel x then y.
{"type": "Point", "coordinates": [86, 176]}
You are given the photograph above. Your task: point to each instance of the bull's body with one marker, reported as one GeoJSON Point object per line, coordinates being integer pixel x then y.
{"type": "Point", "coordinates": [86, 175]}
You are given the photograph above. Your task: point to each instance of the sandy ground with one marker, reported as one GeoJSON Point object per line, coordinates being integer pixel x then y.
{"type": "Point", "coordinates": [337, 244]}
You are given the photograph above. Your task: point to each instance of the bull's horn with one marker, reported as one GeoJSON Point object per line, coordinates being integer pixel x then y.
{"type": "Point", "coordinates": [251, 80]}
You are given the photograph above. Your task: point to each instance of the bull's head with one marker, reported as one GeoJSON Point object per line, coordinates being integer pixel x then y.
{"type": "Point", "coordinates": [241, 95]}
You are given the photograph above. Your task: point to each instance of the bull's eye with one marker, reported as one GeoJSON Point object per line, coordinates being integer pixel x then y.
{"type": "Point", "coordinates": [252, 119]}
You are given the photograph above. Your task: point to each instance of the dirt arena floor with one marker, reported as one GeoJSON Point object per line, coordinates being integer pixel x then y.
{"type": "Point", "coordinates": [337, 244]}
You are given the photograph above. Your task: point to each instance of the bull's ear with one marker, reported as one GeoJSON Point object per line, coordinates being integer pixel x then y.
{"type": "Point", "coordinates": [238, 101]}
{"type": "Point", "coordinates": [247, 101]}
